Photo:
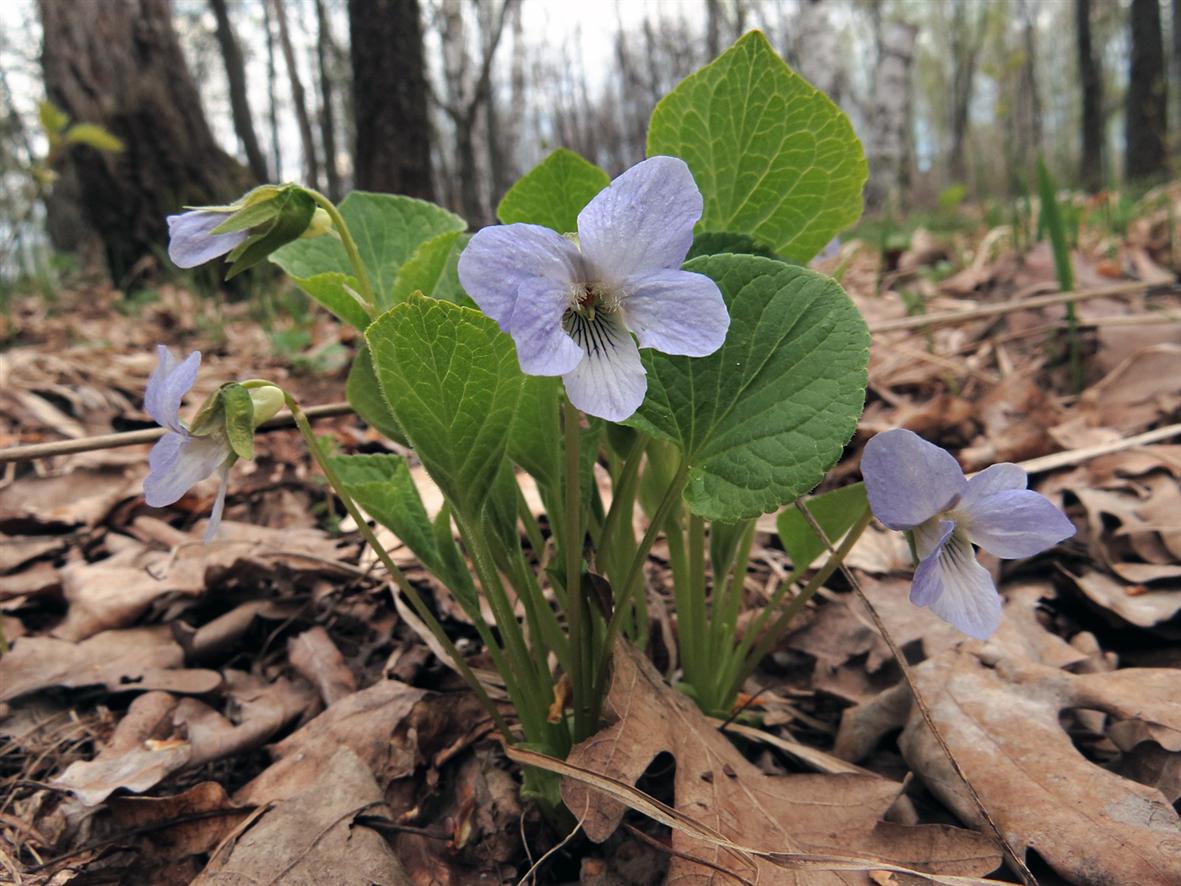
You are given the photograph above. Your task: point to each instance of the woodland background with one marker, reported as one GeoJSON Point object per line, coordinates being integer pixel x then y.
{"type": "Point", "coordinates": [451, 100]}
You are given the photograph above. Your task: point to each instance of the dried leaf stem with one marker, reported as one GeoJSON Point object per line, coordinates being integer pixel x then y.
{"type": "Point", "coordinates": [1018, 863]}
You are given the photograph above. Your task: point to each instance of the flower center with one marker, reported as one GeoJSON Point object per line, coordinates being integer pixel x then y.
{"type": "Point", "coordinates": [588, 298]}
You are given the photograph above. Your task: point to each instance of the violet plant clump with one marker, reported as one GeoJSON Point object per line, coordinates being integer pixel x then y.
{"type": "Point", "coordinates": [918, 488]}
{"type": "Point", "coordinates": [648, 354]}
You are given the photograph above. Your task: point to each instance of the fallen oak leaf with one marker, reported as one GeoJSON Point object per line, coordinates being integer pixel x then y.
{"type": "Point", "coordinates": [311, 838]}
{"type": "Point", "coordinates": [777, 821]}
{"type": "Point", "coordinates": [1002, 724]}
{"type": "Point", "coordinates": [632, 797]}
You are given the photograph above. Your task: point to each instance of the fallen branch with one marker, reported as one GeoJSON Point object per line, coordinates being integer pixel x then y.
{"type": "Point", "coordinates": [148, 435]}
{"type": "Point", "coordinates": [945, 318]}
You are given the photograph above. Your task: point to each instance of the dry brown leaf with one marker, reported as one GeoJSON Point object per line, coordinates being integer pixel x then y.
{"type": "Point", "coordinates": [257, 711]}
{"type": "Point", "coordinates": [1002, 724]}
{"type": "Point", "coordinates": [717, 787]}
{"type": "Point", "coordinates": [160, 735]}
{"type": "Point", "coordinates": [316, 657]}
{"type": "Point", "coordinates": [134, 659]}
{"type": "Point", "coordinates": [16, 551]}
{"type": "Point", "coordinates": [114, 592]}
{"type": "Point", "coordinates": [1140, 391]}
{"type": "Point", "coordinates": [850, 654]}
{"type": "Point", "coordinates": [1136, 604]}
{"type": "Point", "coordinates": [311, 839]}
{"type": "Point", "coordinates": [82, 497]}
{"type": "Point", "coordinates": [137, 757]}
{"type": "Point", "coordinates": [42, 578]}
{"type": "Point", "coordinates": [366, 722]}
{"type": "Point", "coordinates": [195, 821]}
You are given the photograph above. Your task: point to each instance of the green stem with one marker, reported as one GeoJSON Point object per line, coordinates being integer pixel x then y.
{"type": "Point", "coordinates": [696, 662]}
{"type": "Point", "coordinates": [350, 248]}
{"type": "Point", "coordinates": [632, 583]}
{"type": "Point", "coordinates": [728, 602]}
{"type": "Point", "coordinates": [747, 663]}
{"type": "Point", "coordinates": [577, 616]}
{"type": "Point", "coordinates": [395, 573]}
{"type": "Point", "coordinates": [534, 684]}
{"type": "Point", "coordinates": [623, 501]}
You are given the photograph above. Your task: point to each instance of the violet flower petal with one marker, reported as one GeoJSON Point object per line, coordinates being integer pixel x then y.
{"type": "Point", "coordinates": [676, 312]}
{"type": "Point", "coordinates": [929, 541]}
{"type": "Point", "coordinates": [1014, 523]}
{"type": "Point", "coordinates": [968, 599]}
{"type": "Point", "coordinates": [994, 478]}
{"type": "Point", "coordinates": [191, 240]}
{"type": "Point", "coordinates": [909, 480]}
{"type": "Point", "coordinates": [642, 222]}
{"type": "Point", "coordinates": [181, 466]}
{"type": "Point", "coordinates": [167, 387]}
{"type": "Point", "coordinates": [499, 259]}
{"type": "Point", "coordinates": [543, 347]}
{"type": "Point", "coordinates": [610, 381]}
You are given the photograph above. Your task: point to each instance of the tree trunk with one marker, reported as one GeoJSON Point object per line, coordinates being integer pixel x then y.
{"type": "Point", "coordinates": [307, 140]}
{"type": "Point", "coordinates": [393, 149]}
{"type": "Point", "coordinates": [1091, 79]}
{"type": "Point", "coordinates": [890, 115]}
{"type": "Point", "coordinates": [1177, 64]}
{"type": "Point", "coordinates": [272, 100]}
{"type": "Point", "coordinates": [713, 28]}
{"type": "Point", "coordinates": [324, 47]}
{"type": "Point", "coordinates": [239, 102]}
{"type": "Point", "coordinates": [819, 50]}
{"type": "Point", "coordinates": [967, 36]}
{"type": "Point", "coordinates": [120, 66]}
{"type": "Point", "coordinates": [1145, 117]}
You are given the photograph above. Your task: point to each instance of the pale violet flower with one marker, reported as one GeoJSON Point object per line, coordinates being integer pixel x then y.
{"type": "Point", "coordinates": [916, 487]}
{"type": "Point", "coordinates": [191, 240]}
{"type": "Point", "coordinates": [572, 305]}
{"type": "Point", "coordinates": [179, 459]}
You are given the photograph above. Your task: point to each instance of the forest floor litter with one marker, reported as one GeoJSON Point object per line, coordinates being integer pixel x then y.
{"type": "Point", "coordinates": [264, 709]}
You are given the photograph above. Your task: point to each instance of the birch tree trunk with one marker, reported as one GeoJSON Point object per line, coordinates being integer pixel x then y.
{"type": "Point", "coordinates": [890, 116]}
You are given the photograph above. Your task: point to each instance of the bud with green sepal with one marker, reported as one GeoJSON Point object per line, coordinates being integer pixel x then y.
{"type": "Point", "coordinates": [248, 230]}
{"type": "Point", "coordinates": [220, 433]}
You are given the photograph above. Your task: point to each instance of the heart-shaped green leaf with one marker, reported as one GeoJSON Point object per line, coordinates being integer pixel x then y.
{"type": "Point", "coordinates": [834, 511]}
{"type": "Point", "coordinates": [382, 485]}
{"type": "Point", "coordinates": [451, 379]}
{"type": "Point", "coordinates": [387, 228]}
{"type": "Point", "coordinates": [774, 158]}
{"type": "Point", "coordinates": [553, 192]}
{"type": "Point", "coordinates": [763, 418]}
{"type": "Point", "coordinates": [432, 270]}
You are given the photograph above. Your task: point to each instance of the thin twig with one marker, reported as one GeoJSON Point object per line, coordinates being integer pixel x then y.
{"type": "Point", "coordinates": [149, 435]}
{"type": "Point", "coordinates": [1018, 863]}
{"type": "Point", "coordinates": [1075, 456]}
{"type": "Point", "coordinates": [944, 318]}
